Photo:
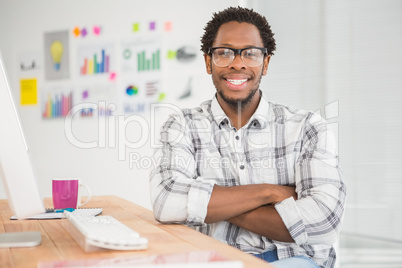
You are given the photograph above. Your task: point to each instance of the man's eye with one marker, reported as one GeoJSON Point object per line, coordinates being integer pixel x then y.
{"type": "Point", "coordinates": [224, 53]}
{"type": "Point", "coordinates": [249, 53]}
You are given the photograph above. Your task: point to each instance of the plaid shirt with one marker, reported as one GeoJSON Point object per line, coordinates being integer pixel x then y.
{"type": "Point", "coordinates": [279, 145]}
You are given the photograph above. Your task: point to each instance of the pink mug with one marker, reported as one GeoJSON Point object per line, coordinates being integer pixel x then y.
{"type": "Point", "coordinates": [66, 193]}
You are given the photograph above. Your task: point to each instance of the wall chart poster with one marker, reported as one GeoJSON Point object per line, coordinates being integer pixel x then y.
{"type": "Point", "coordinates": [57, 101]}
{"type": "Point", "coordinates": [95, 60]}
{"type": "Point", "coordinates": [56, 55]}
{"type": "Point", "coordinates": [142, 56]}
{"type": "Point", "coordinates": [136, 95]}
{"type": "Point", "coordinates": [95, 100]}
{"type": "Point", "coordinates": [141, 66]}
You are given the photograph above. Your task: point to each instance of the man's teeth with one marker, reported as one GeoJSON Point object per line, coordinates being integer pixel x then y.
{"type": "Point", "coordinates": [236, 82]}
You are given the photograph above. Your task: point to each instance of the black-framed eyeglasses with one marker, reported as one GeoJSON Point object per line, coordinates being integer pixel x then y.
{"type": "Point", "coordinates": [251, 56]}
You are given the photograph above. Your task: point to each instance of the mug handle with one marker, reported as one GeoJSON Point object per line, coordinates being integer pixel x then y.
{"type": "Point", "coordinates": [79, 204]}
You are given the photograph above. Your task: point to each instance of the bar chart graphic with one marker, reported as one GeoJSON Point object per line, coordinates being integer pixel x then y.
{"type": "Point", "coordinates": [141, 56]}
{"type": "Point", "coordinates": [97, 63]}
{"type": "Point", "coordinates": [148, 62]}
{"type": "Point", "coordinates": [95, 59]}
{"type": "Point", "coordinates": [57, 105]}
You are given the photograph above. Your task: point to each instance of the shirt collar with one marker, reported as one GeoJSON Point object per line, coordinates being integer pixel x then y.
{"type": "Point", "coordinates": [217, 112]}
{"type": "Point", "coordinates": [261, 116]}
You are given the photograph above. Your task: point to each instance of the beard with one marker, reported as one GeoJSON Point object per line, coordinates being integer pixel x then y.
{"type": "Point", "coordinates": [237, 104]}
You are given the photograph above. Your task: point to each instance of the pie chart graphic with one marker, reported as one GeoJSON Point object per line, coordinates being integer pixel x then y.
{"type": "Point", "coordinates": [131, 90]}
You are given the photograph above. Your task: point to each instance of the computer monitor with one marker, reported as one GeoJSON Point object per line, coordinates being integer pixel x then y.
{"type": "Point", "coordinates": [16, 170]}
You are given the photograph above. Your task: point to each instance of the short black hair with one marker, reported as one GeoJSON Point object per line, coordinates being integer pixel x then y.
{"type": "Point", "coordinates": [239, 14]}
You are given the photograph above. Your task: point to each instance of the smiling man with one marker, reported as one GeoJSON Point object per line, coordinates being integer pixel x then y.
{"type": "Point", "coordinates": [237, 85]}
{"type": "Point", "coordinates": [259, 176]}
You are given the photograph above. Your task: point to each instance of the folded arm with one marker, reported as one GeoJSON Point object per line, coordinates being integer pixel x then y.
{"type": "Point", "coordinates": [251, 207]}
{"type": "Point", "coordinates": [228, 202]}
{"type": "Point", "coordinates": [264, 221]}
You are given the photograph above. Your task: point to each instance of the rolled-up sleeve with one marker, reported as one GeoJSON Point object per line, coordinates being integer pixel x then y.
{"type": "Point", "coordinates": [315, 218]}
{"type": "Point", "coordinates": [178, 194]}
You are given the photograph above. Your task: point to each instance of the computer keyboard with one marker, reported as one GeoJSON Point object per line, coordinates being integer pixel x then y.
{"type": "Point", "coordinates": [104, 232]}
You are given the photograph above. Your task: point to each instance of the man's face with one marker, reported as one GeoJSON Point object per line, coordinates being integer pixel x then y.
{"type": "Point", "coordinates": [237, 82]}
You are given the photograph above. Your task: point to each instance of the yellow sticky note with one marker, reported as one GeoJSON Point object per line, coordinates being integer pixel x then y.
{"type": "Point", "coordinates": [171, 54]}
{"type": "Point", "coordinates": [162, 96]}
{"type": "Point", "coordinates": [28, 90]}
{"type": "Point", "coordinates": [136, 27]}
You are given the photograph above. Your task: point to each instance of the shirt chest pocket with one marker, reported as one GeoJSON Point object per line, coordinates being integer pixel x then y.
{"type": "Point", "coordinates": [263, 175]}
{"type": "Point", "coordinates": [262, 169]}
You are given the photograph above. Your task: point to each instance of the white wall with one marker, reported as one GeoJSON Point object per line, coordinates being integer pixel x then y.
{"type": "Point", "coordinates": [22, 27]}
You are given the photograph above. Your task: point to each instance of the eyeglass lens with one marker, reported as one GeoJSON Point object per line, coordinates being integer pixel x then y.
{"type": "Point", "coordinates": [252, 57]}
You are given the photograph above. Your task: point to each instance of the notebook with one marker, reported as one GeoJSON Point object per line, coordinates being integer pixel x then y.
{"type": "Point", "coordinates": [60, 215]}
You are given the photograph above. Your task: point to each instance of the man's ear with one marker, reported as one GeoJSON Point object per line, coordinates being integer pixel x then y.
{"type": "Point", "coordinates": [266, 62]}
{"type": "Point", "coordinates": [207, 59]}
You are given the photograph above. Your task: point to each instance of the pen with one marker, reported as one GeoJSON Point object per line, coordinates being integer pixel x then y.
{"type": "Point", "coordinates": [50, 210]}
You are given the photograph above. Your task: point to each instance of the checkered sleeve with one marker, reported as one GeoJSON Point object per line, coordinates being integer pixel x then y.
{"type": "Point", "coordinates": [316, 216]}
{"type": "Point", "coordinates": [178, 195]}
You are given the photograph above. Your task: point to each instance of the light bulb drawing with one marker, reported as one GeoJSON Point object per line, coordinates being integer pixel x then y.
{"type": "Point", "coordinates": [56, 52]}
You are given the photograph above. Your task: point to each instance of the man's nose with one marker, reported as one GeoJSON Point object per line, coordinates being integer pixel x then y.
{"type": "Point", "coordinates": [237, 63]}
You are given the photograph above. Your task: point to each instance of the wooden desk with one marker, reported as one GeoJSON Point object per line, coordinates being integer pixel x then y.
{"type": "Point", "coordinates": [57, 244]}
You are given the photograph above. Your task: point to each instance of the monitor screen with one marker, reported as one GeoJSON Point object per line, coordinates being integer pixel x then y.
{"type": "Point", "coordinates": [16, 170]}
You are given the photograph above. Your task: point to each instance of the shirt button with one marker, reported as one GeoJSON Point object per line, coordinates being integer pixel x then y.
{"type": "Point", "coordinates": [241, 167]}
{"type": "Point", "coordinates": [237, 138]}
